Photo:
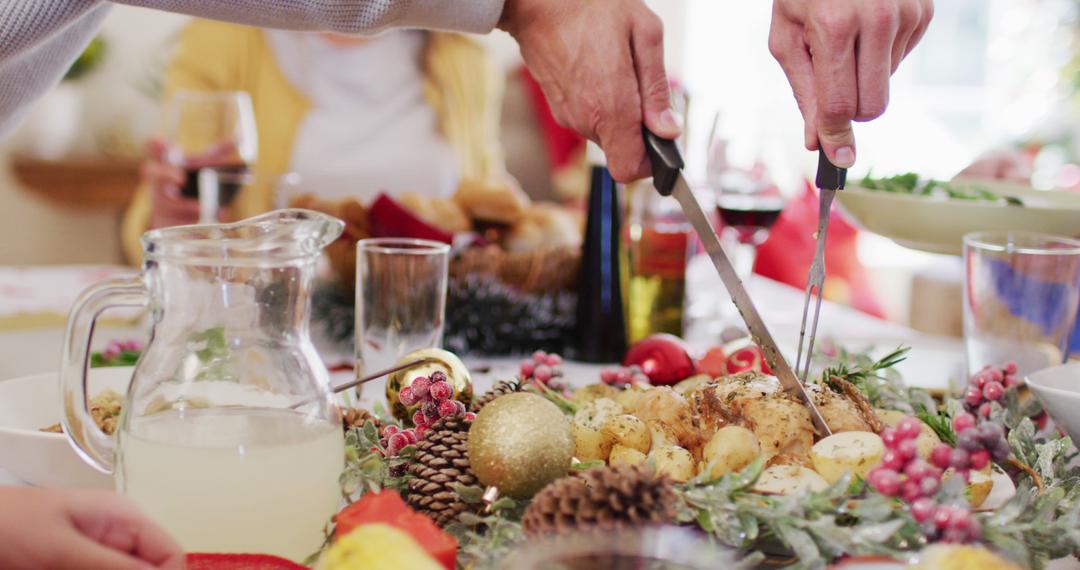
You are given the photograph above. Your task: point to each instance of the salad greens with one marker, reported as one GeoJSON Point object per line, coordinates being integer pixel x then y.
{"type": "Point", "coordinates": [910, 183]}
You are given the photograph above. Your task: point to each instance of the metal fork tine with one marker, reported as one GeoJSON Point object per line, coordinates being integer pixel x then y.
{"type": "Point", "coordinates": [813, 335]}
{"type": "Point", "coordinates": [802, 327]}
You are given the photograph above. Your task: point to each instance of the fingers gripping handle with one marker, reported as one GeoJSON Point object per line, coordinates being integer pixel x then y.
{"type": "Point", "coordinates": [92, 444]}
{"type": "Point", "coordinates": [829, 176]}
{"type": "Point", "coordinates": [666, 161]}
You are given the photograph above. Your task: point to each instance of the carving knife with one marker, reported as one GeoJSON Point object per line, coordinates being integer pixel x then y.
{"type": "Point", "coordinates": [667, 165]}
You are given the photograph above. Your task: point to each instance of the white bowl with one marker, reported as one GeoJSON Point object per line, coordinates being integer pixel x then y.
{"type": "Point", "coordinates": [30, 403]}
{"type": "Point", "coordinates": [938, 225]}
{"type": "Point", "coordinates": [1058, 388]}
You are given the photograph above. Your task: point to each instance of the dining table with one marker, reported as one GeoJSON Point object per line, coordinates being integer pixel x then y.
{"type": "Point", "coordinates": [34, 302]}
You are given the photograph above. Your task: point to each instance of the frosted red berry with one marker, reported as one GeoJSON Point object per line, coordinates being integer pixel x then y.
{"type": "Point", "coordinates": [543, 373]}
{"type": "Point", "coordinates": [406, 396]}
{"type": "Point", "coordinates": [438, 376]}
{"type": "Point", "coordinates": [396, 443]}
{"type": "Point", "coordinates": [892, 459]}
{"type": "Point", "coordinates": [980, 459]}
{"type": "Point", "coordinates": [390, 430]}
{"type": "Point", "coordinates": [441, 390]}
{"type": "Point", "coordinates": [1009, 367]}
{"type": "Point", "coordinates": [553, 360]}
{"type": "Point", "coordinates": [527, 368]}
{"type": "Point", "coordinates": [984, 410]}
{"type": "Point", "coordinates": [885, 481]}
{"type": "Point", "coordinates": [420, 386]}
{"type": "Point", "coordinates": [469, 416]}
{"type": "Point", "coordinates": [539, 356]}
{"type": "Point", "coordinates": [447, 409]}
{"type": "Point", "coordinates": [418, 418]}
{"type": "Point", "coordinates": [909, 428]}
{"type": "Point", "coordinates": [889, 437]}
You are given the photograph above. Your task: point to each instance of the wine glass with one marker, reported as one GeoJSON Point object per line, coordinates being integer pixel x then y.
{"type": "Point", "coordinates": [748, 202]}
{"type": "Point", "coordinates": [212, 136]}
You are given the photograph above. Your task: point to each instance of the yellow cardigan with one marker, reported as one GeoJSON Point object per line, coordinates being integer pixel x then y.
{"type": "Point", "coordinates": [461, 85]}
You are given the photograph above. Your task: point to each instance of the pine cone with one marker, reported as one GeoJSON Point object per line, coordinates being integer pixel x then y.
{"type": "Point", "coordinates": [605, 498]}
{"type": "Point", "coordinates": [441, 461]}
{"type": "Point", "coordinates": [356, 418]}
{"type": "Point", "coordinates": [500, 389]}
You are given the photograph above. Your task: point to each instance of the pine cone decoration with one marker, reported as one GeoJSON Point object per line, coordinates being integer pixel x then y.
{"type": "Point", "coordinates": [441, 461]}
{"type": "Point", "coordinates": [606, 498]}
{"type": "Point", "coordinates": [356, 418]}
{"type": "Point", "coordinates": [500, 389]}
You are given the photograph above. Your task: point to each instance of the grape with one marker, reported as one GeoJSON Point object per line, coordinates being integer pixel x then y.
{"type": "Point", "coordinates": [941, 455]}
{"type": "Point", "coordinates": [886, 481]}
{"type": "Point", "coordinates": [923, 509]}
{"type": "Point", "coordinates": [917, 469]}
{"type": "Point", "coordinates": [973, 396]}
{"type": "Point", "coordinates": [929, 485]}
{"type": "Point", "coordinates": [959, 459]}
{"type": "Point", "coordinates": [891, 459]}
{"type": "Point", "coordinates": [963, 422]}
{"type": "Point", "coordinates": [909, 428]}
{"type": "Point", "coordinates": [968, 442]}
{"type": "Point", "coordinates": [910, 491]}
{"type": "Point", "coordinates": [993, 391]}
{"type": "Point", "coordinates": [1001, 451]}
{"type": "Point", "coordinates": [890, 437]}
{"type": "Point", "coordinates": [907, 448]}
{"type": "Point", "coordinates": [990, 433]}
{"type": "Point", "coordinates": [980, 459]}
{"type": "Point", "coordinates": [543, 373]}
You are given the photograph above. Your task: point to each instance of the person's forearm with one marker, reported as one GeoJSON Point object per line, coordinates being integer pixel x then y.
{"type": "Point", "coordinates": [347, 16]}
{"type": "Point", "coordinates": [40, 38]}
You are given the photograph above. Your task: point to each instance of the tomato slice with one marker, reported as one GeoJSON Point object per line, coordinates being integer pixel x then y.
{"type": "Point", "coordinates": [221, 561]}
{"type": "Point", "coordinates": [388, 507]}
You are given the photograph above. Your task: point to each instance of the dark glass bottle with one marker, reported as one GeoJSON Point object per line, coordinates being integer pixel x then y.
{"type": "Point", "coordinates": [601, 325]}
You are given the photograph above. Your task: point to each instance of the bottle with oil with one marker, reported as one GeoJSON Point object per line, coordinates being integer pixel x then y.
{"type": "Point", "coordinates": [656, 241]}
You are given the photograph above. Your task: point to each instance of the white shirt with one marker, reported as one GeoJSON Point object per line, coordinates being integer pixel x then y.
{"type": "Point", "coordinates": [370, 128]}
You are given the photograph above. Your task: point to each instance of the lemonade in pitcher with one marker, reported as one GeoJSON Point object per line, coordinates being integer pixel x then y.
{"type": "Point", "coordinates": [228, 437]}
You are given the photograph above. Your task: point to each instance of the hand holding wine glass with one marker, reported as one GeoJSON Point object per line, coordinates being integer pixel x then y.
{"type": "Point", "coordinates": [210, 142]}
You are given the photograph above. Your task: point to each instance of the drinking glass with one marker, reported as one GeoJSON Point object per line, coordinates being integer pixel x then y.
{"type": "Point", "coordinates": [400, 299]}
{"type": "Point", "coordinates": [212, 136]}
{"type": "Point", "coordinates": [1021, 293]}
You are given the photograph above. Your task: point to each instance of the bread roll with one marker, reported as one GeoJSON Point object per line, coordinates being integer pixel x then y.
{"type": "Point", "coordinates": [499, 201]}
{"type": "Point", "coordinates": [545, 226]}
{"type": "Point", "coordinates": [442, 213]}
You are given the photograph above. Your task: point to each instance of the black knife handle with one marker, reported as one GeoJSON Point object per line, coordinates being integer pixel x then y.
{"type": "Point", "coordinates": [666, 161]}
{"type": "Point", "coordinates": [829, 176]}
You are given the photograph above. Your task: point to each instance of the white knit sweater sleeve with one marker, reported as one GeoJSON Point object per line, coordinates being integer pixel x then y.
{"type": "Point", "coordinates": [40, 38]}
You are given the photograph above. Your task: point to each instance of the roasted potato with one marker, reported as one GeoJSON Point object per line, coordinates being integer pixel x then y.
{"type": "Point", "coordinates": [789, 480]}
{"type": "Point", "coordinates": [591, 444]}
{"type": "Point", "coordinates": [692, 384]}
{"type": "Point", "coordinates": [628, 431]}
{"type": "Point", "coordinates": [730, 449]}
{"type": "Point", "coordinates": [927, 440]}
{"type": "Point", "coordinates": [855, 452]}
{"type": "Point", "coordinates": [673, 461]}
{"type": "Point", "coordinates": [595, 414]}
{"type": "Point", "coordinates": [630, 398]}
{"type": "Point", "coordinates": [622, 455]}
{"type": "Point", "coordinates": [593, 392]}
{"type": "Point", "coordinates": [666, 406]}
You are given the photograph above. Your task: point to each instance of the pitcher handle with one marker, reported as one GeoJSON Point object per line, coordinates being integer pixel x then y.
{"type": "Point", "coordinates": [92, 444]}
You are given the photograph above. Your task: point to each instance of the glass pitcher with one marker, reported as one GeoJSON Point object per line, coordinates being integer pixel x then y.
{"type": "Point", "coordinates": [228, 435]}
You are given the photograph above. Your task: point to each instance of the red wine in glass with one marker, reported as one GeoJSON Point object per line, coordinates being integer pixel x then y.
{"type": "Point", "coordinates": [231, 178]}
{"type": "Point", "coordinates": [750, 215]}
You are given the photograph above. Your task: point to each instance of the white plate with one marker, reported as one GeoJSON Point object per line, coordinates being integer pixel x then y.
{"type": "Point", "coordinates": [938, 225]}
{"type": "Point", "coordinates": [1058, 389]}
{"type": "Point", "coordinates": [30, 403]}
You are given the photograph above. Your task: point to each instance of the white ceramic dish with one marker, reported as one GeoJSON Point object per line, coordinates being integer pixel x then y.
{"type": "Point", "coordinates": [938, 225]}
{"type": "Point", "coordinates": [46, 459]}
{"type": "Point", "coordinates": [1058, 389]}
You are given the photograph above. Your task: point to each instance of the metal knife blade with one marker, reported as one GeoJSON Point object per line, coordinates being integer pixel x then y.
{"type": "Point", "coordinates": [667, 165]}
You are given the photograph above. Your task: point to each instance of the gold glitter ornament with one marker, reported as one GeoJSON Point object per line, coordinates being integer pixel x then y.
{"type": "Point", "coordinates": [519, 443]}
{"type": "Point", "coordinates": [436, 360]}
